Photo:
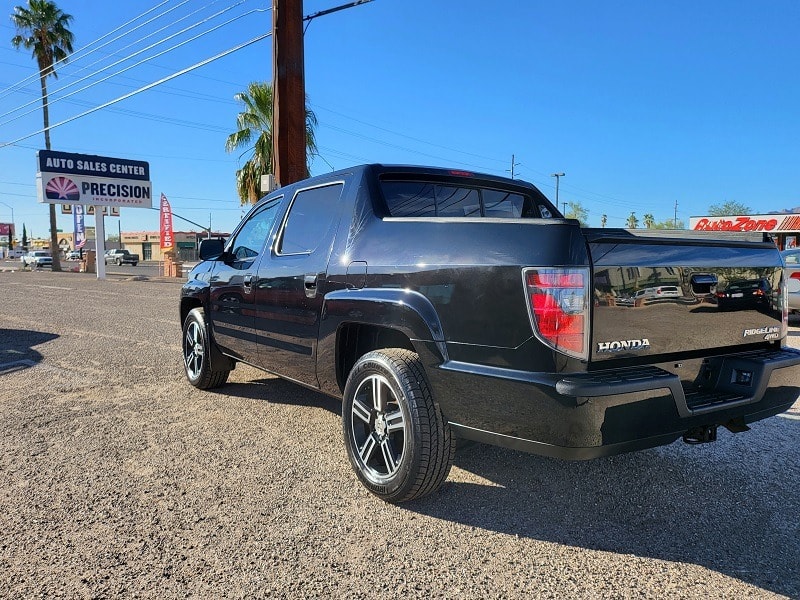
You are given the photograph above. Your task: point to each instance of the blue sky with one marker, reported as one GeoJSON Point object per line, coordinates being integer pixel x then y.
{"type": "Point", "coordinates": [641, 104]}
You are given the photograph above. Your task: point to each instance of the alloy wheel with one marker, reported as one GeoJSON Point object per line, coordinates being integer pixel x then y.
{"type": "Point", "coordinates": [193, 350]}
{"type": "Point", "coordinates": [378, 427]}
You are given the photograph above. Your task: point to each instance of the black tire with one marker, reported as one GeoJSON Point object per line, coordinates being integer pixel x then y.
{"type": "Point", "coordinates": [397, 439]}
{"type": "Point", "coordinates": [197, 344]}
{"type": "Point", "coordinates": [134, 264]}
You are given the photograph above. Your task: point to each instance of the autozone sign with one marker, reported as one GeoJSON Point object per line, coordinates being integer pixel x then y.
{"type": "Point", "coordinates": [746, 223]}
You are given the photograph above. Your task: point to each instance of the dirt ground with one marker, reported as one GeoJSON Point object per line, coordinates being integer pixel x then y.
{"type": "Point", "coordinates": [118, 479]}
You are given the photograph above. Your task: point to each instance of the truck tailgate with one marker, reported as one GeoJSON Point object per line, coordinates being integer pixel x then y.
{"type": "Point", "coordinates": [661, 296]}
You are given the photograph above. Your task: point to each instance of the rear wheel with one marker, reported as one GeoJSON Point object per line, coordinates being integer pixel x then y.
{"type": "Point", "coordinates": [197, 353]}
{"type": "Point", "coordinates": [396, 437]}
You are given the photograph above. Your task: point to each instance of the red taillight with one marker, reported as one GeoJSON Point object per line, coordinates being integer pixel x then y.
{"type": "Point", "coordinates": [795, 275]}
{"type": "Point", "coordinates": [559, 308]}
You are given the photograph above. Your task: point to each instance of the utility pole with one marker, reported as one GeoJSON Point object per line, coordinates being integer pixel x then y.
{"type": "Point", "coordinates": [558, 177]}
{"type": "Point", "coordinates": [675, 217]}
{"type": "Point", "coordinates": [289, 112]}
{"type": "Point", "coordinates": [514, 163]}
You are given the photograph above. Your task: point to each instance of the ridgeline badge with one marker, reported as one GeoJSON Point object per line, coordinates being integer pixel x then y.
{"type": "Point", "coordinates": [772, 332]}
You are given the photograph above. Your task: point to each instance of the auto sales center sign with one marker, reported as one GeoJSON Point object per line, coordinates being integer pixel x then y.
{"type": "Point", "coordinates": [66, 178]}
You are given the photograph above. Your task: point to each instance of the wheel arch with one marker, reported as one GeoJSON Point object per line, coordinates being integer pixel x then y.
{"type": "Point", "coordinates": [360, 321]}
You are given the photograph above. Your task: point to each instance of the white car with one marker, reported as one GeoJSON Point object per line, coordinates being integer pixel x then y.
{"type": "Point", "coordinates": [791, 259]}
{"type": "Point", "coordinates": [37, 259]}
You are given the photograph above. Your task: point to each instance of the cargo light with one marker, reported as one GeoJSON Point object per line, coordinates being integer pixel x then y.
{"type": "Point", "coordinates": [559, 308]}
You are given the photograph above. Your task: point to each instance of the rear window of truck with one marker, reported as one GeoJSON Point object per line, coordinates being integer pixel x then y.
{"type": "Point", "coordinates": [431, 199]}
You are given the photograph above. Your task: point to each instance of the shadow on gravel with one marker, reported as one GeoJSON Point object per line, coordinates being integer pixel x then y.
{"type": "Point", "coordinates": [731, 509]}
{"type": "Point", "coordinates": [279, 391]}
{"type": "Point", "coordinates": [17, 348]}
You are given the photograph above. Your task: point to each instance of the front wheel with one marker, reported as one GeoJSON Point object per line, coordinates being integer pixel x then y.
{"type": "Point", "coordinates": [397, 439]}
{"type": "Point", "coordinates": [197, 353]}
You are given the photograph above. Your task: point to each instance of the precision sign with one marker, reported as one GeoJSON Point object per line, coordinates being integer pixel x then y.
{"type": "Point", "coordinates": [66, 178]}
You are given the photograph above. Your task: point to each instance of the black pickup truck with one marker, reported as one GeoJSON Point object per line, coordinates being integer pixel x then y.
{"type": "Point", "coordinates": [438, 303]}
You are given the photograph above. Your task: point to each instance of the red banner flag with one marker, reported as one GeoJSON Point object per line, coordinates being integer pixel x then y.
{"type": "Point", "coordinates": [167, 236]}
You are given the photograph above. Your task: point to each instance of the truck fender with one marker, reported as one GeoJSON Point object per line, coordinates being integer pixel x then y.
{"type": "Point", "coordinates": [406, 311]}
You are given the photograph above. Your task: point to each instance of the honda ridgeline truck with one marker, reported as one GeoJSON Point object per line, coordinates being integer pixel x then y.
{"type": "Point", "coordinates": [438, 303]}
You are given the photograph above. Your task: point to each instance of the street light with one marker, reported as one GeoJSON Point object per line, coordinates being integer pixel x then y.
{"type": "Point", "coordinates": [558, 177]}
{"type": "Point", "coordinates": [13, 227]}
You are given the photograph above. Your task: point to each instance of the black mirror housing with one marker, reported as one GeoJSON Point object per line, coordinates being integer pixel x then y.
{"type": "Point", "coordinates": [212, 248]}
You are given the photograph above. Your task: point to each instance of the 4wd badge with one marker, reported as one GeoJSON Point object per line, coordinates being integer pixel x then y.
{"type": "Point", "coordinates": [770, 333]}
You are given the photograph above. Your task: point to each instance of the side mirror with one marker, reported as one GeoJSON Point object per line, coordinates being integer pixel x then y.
{"type": "Point", "coordinates": [212, 248]}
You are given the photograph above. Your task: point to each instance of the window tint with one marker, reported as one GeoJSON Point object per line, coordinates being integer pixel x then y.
{"type": "Point", "coordinates": [457, 202]}
{"type": "Point", "coordinates": [497, 203]}
{"type": "Point", "coordinates": [410, 198]}
{"type": "Point", "coordinates": [425, 199]}
{"type": "Point", "coordinates": [251, 237]}
{"type": "Point", "coordinates": [310, 219]}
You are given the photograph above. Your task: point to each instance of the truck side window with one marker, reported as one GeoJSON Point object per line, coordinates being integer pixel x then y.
{"type": "Point", "coordinates": [250, 239]}
{"type": "Point", "coordinates": [311, 218]}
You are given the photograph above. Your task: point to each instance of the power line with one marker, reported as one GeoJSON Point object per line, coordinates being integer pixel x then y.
{"type": "Point", "coordinates": [145, 88]}
{"type": "Point", "coordinates": [128, 68]}
{"type": "Point", "coordinates": [97, 72]}
{"type": "Point", "coordinates": [70, 57]}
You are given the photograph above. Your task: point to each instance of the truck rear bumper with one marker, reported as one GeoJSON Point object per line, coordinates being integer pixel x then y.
{"type": "Point", "coordinates": [588, 415]}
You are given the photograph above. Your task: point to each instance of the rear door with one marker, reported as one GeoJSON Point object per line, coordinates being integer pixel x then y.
{"type": "Point", "coordinates": [291, 280]}
{"type": "Point", "coordinates": [705, 307]}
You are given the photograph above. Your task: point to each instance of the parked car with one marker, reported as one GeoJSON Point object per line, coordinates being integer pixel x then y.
{"type": "Point", "coordinates": [37, 259]}
{"type": "Point", "coordinates": [73, 255]}
{"type": "Point", "coordinates": [662, 292]}
{"type": "Point", "coordinates": [120, 257]}
{"type": "Point", "coordinates": [437, 303]}
{"type": "Point", "coordinates": [754, 293]}
{"type": "Point", "coordinates": [791, 259]}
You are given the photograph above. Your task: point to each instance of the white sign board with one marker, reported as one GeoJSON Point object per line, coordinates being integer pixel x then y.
{"type": "Point", "coordinates": [67, 178]}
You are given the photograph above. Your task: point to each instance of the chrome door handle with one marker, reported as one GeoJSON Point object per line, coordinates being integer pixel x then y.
{"type": "Point", "coordinates": [310, 284]}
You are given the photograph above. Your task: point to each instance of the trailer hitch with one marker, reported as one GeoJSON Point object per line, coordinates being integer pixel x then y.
{"type": "Point", "coordinates": [701, 435]}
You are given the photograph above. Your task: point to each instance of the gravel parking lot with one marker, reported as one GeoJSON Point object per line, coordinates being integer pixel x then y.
{"type": "Point", "coordinates": [118, 479]}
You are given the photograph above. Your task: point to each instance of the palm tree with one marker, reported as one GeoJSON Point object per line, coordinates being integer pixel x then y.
{"type": "Point", "coordinates": [633, 222]}
{"type": "Point", "coordinates": [649, 220]}
{"type": "Point", "coordinates": [42, 27]}
{"type": "Point", "coordinates": [603, 220]}
{"type": "Point", "coordinates": [255, 133]}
